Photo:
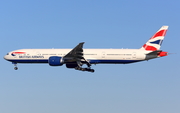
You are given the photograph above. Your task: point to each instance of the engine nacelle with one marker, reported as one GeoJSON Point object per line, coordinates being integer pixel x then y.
{"type": "Point", "coordinates": [55, 61]}
{"type": "Point", "coordinates": [72, 65]}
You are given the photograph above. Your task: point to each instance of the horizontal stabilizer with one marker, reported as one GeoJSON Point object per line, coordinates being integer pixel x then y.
{"type": "Point", "coordinates": [154, 52]}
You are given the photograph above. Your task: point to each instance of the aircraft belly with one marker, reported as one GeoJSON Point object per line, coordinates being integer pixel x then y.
{"type": "Point", "coordinates": [29, 60]}
{"type": "Point", "coordinates": [103, 61]}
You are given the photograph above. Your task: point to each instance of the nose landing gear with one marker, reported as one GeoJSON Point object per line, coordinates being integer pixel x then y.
{"type": "Point", "coordinates": [15, 68]}
{"type": "Point", "coordinates": [15, 64]}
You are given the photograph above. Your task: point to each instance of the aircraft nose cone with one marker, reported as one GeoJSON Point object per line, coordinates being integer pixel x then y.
{"type": "Point", "coordinates": [5, 57]}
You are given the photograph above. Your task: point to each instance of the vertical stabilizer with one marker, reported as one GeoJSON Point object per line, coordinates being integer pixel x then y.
{"type": "Point", "coordinates": [154, 43]}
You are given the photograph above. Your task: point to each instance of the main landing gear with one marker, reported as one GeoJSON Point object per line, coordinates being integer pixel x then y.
{"type": "Point", "coordinates": [80, 68]}
{"type": "Point", "coordinates": [84, 69]}
{"type": "Point", "coordinates": [15, 64]}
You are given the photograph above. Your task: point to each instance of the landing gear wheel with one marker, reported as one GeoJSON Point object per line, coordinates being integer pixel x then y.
{"type": "Point", "coordinates": [84, 69]}
{"type": "Point", "coordinates": [77, 68]}
{"type": "Point", "coordinates": [89, 70]}
{"type": "Point", "coordinates": [92, 70]}
{"type": "Point", "coordinates": [16, 68]}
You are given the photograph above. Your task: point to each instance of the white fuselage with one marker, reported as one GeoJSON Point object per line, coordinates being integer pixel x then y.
{"type": "Point", "coordinates": [94, 56]}
{"type": "Point", "coordinates": [76, 57]}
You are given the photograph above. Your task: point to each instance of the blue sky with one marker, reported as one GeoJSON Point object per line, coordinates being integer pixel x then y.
{"type": "Point", "coordinates": [145, 87]}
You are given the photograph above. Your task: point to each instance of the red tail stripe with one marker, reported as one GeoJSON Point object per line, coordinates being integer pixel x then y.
{"type": "Point", "coordinates": [160, 33]}
{"type": "Point", "coordinates": [149, 48]}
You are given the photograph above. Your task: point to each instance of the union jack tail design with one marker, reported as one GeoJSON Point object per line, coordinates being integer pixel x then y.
{"type": "Point", "coordinates": [154, 43]}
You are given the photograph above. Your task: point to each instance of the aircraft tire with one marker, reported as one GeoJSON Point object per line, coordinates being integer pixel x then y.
{"type": "Point", "coordinates": [92, 70]}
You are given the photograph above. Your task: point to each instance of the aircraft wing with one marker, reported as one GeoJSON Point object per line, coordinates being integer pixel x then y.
{"type": "Point", "coordinates": [76, 55]}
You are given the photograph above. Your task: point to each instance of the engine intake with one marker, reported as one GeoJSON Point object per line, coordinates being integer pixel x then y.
{"type": "Point", "coordinates": [55, 61]}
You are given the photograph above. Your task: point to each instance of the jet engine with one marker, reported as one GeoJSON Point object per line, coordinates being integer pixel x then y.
{"type": "Point", "coordinates": [55, 61]}
{"type": "Point", "coordinates": [72, 65]}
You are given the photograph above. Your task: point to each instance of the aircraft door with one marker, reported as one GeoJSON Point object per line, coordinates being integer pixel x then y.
{"type": "Point", "coordinates": [103, 54]}
{"type": "Point", "coordinates": [134, 55]}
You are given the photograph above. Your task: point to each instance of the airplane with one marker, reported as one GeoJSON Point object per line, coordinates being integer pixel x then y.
{"type": "Point", "coordinates": [77, 57]}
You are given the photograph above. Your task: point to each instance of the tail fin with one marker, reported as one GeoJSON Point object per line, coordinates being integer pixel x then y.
{"type": "Point", "coordinates": [154, 43]}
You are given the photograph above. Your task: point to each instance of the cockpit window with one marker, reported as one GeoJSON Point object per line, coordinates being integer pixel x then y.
{"type": "Point", "coordinates": [7, 54]}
